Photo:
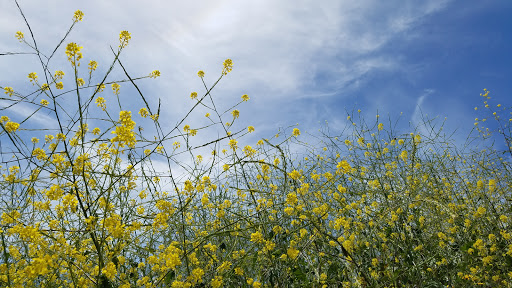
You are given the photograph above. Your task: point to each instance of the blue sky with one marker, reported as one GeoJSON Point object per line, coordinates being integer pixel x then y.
{"type": "Point", "coordinates": [299, 61]}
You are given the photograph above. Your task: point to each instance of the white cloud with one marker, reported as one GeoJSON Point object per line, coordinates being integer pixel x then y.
{"type": "Point", "coordinates": [282, 50]}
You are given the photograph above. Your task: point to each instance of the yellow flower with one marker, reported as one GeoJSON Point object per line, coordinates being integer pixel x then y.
{"type": "Point", "coordinates": [59, 75]}
{"type": "Point", "coordinates": [235, 113]}
{"type": "Point", "coordinates": [78, 16]}
{"type": "Point", "coordinates": [73, 52]}
{"type": "Point", "coordinates": [294, 174]}
{"type": "Point", "coordinates": [59, 85]}
{"type": "Point", "coordinates": [124, 37]}
{"type": "Point", "coordinates": [11, 126]}
{"type": "Point", "coordinates": [257, 237]}
{"type": "Point", "coordinates": [143, 112]}
{"type": "Point", "coordinates": [245, 97]}
{"type": "Point", "coordinates": [96, 131]}
{"type": "Point", "coordinates": [32, 76]}
{"type": "Point", "coordinates": [228, 66]}
{"type": "Point", "coordinates": [250, 129]}
{"type": "Point", "coordinates": [207, 115]}
{"type": "Point", "coordinates": [92, 66]}
{"type": "Point", "coordinates": [44, 102]}
{"type": "Point", "coordinates": [200, 73]}
{"type": "Point", "coordinates": [193, 95]}
{"type": "Point", "coordinates": [109, 271]}
{"type": "Point", "coordinates": [101, 103]}
{"type": "Point", "coordinates": [80, 82]}
{"type": "Point", "coordinates": [296, 132]}
{"type": "Point", "coordinates": [292, 252]}
{"type": "Point", "coordinates": [217, 282]}
{"type": "Point", "coordinates": [115, 88]}
{"type": "Point", "coordinates": [20, 35]}
{"type": "Point", "coordinates": [9, 90]}
{"type": "Point", "coordinates": [381, 126]}
{"type": "Point", "coordinates": [99, 88]}
{"type": "Point", "coordinates": [45, 87]}
{"type": "Point", "coordinates": [232, 144]}
{"type": "Point", "coordinates": [154, 74]}
{"type": "Point", "coordinates": [4, 119]}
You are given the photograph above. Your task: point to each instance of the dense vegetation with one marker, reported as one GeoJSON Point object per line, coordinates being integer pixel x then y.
{"type": "Point", "coordinates": [89, 204]}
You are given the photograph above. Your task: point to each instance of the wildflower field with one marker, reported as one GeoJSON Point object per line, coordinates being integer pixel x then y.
{"type": "Point", "coordinates": [86, 205]}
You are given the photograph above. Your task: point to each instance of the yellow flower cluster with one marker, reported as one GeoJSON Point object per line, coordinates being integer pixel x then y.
{"type": "Point", "coordinates": [124, 132]}
{"type": "Point", "coordinates": [124, 37]}
{"type": "Point", "coordinates": [74, 54]}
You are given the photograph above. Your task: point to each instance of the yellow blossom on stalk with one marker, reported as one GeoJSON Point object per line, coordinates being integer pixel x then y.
{"type": "Point", "coordinates": [217, 282]}
{"type": "Point", "coordinates": [228, 66]}
{"type": "Point", "coordinates": [124, 132]}
{"type": "Point", "coordinates": [78, 16]}
{"type": "Point", "coordinates": [80, 82]}
{"type": "Point", "coordinates": [417, 139]}
{"type": "Point", "coordinates": [196, 275]}
{"type": "Point", "coordinates": [193, 95]}
{"type": "Point", "coordinates": [124, 37]}
{"type": "Point", "coordinates": [492, 185]}
{"type": "Point", "coordinates": [32, 77]}
{"type": "Point", "coordinates": [109, 271]}
{"type": "Point", "coordinates": [292, 253]}
{"type": "Point", "coordinates": [115, 88]}
{"type": "Point", "coordinates": [73, 52]}
{"type": "Point", "coordinates": [295, 175]}
{"type": "Point", "coordinates": [8, 90]}
{"type": "Point", "coordinates": [59, 75]}
{"type": "Point", "coordinates": [403, 155]}
{"type": "Point", "coordinates": [99, 88]}
{"type": "Point", "coordinates": [154, 74]}
{"type": "Point", "coordinates": [154, 117]}
{"type": "Point", "coordinates": [59, 85]}
{"type": "Point", "coordinates": [245, 97]}
{"type": "Point", "coordinates": [200, 73]}
{"type": "Point", "coordinates": [19, 35]}
{"type": "Point", "coordinates": [4, 119]}
{"type": "Point", "coordinates": [44, 102]}
{"type": "Point", "coordinates": [232, 144]}
{"type": "Point", "coordinates": [343, 167]}
{"type": "Point", "coordinates": [480, 212]}
{"type": "Point", "coordinates": [296, 132]}
{"type": "Point", "coordinates": [235, 113]}
{"type": "Point", "coordinates": [143, 112]}
{"type": "Point", "coordinates": [257, 237]}
{"type": "Point", "coordinates": [207, 115]}
{"type": "Point", "coordinates": [96, 131]}
{"type": "Point", "coordinates": [380, 126]}
{"type": "Point", "coordinates": [92, 66]}
{"type": "Point", "coordinates": [11, 126]}
{"type": "Point", "coordinates": [45, 87]}
{"type": "Point", "coordinates": [100, 101]}
{"type": "Point", "coordinates": [250, 129]}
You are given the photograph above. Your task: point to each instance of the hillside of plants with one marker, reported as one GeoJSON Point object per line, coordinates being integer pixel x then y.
{"type": "Point", "coordinates": [113, 198]}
